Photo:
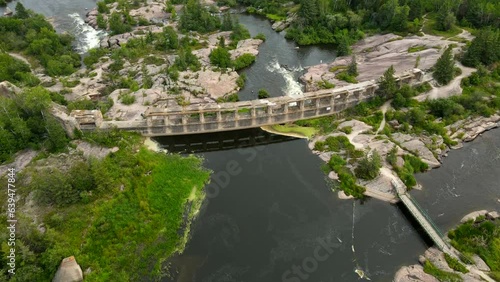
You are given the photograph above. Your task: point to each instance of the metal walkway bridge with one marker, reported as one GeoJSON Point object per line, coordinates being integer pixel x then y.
{"type": "Point", "coordinates": [430, 228]}
{"type": "Point", "coordinates": [421, 216]}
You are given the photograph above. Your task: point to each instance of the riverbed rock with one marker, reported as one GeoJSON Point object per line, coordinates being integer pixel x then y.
{"type": "Point", "coordinates": [247, 46]}
{"type": "Point", "coordinates": [21, 160]}
{"type": "Point", "coordinates": [333, 175]}
{"type": "Point", "coordinates": [209, 82]}
{"type": "Point", "coordinates": [437, 258]}
{"type": "Point", "coordinates": [414, 144]}
{"type": "Point", "coordinates": [69, 271]}
{"type": "Point", "coordinates": [93, 151]}
{"type": "Point", "coordinates": [413, 273]}
{"type": "Point", "coordinates": [492, 215]}
{"type": "Point", "coordinates": [282, 25]}
{"type": "Point", "coordinates": [343, 196]}
{"type": "Point", "coordinates": [375, 54]}
{"type": "Point", "coordinates": [480, 264]}
{"type": "Point", "coordinates": [153, 12]}
{"type": "Point", "coordinates": [8, 89]}
{"type": "Point", "coordinates": [473, 215]}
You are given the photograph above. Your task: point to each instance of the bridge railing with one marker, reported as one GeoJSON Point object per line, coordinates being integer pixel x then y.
{"type": "Point", "coordinates": [428, 219]}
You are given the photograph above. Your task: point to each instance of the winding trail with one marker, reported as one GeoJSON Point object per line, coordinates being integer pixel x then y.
{"type": "Point", "coordinates": [451, 89]}
{"type": "Point", "coordinates": [384, 108]}
{"type": "Point", "coordinates": [22, 58]}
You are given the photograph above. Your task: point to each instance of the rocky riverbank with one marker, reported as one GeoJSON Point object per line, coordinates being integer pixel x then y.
{"type": "Point", "coordinates": [205, 85]}
{"type": "Point", "coordinates": [375, 54]}
{"type": "Point", "coordinates": [476, 272]}
{"type": "Point", "coordinates": [431, 150]}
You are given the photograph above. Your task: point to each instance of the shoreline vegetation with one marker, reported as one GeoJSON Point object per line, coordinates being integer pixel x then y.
{"type": "Point", "coordinates": [130, 204]}
{"type": "Point", "coordinates": [115, 205]}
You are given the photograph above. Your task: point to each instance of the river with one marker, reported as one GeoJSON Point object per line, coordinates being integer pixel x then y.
{"type": "Point", "coordinates": [270, 210]}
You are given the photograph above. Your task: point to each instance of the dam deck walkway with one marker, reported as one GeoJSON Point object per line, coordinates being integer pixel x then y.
{"type": "Point", "coordinates": [176, 119]}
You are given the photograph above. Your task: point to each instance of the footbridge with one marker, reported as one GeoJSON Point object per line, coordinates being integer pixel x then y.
{"type": "Point", "coordinates": [422, 217]}
{"type": "Point", "coordinates": [218, 117]}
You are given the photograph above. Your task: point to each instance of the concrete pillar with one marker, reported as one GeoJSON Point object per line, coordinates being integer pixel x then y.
{"type": "Point", "coordinates": [149, 123]}
{"type": "Point", "coordinates": [301, 105]}
{"type": "Point", "coordinates": [202, 117]}
{"type": "Point", "coordinates": [219, 116]}
{"type": "Point", "coordinates": [332, 104]}
{"type": "Point", "coordinates": [184, 123]}
{"type": "Point", "coordinates": [316, 104]}
{"type": "Point", "coordinates": [269, 114]}
{"type": "Point", "coordinates": [253, 113]}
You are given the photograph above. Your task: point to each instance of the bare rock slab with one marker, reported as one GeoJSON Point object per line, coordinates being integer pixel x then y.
{"type": "Point", "coordinates": [69, 271]}
{"type": "Point", "coordinates": [413, 273]}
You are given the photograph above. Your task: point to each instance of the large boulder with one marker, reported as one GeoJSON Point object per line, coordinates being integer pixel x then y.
{"type": "Point", "coordinates": [8, 89]}
{"type": "Point", "coordinates": [473, 215]}
{"type": "Point", "coordinates": [413, 273]}
{"type": "Point", "coordinates": [69, 271]}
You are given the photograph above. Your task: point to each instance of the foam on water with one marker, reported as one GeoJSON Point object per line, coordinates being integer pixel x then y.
{"type": "Point", "coordinates": [292, 87]}
{"type": "Point", "coordinates": [86, 36]}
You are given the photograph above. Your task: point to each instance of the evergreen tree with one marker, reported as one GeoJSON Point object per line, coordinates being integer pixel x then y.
{"type": "Point", "coordinates": [222, 42]}
{"type": "Point", "coordinates": [227, 22]}
{"type": "Point", "coordinates": [369, 166]}
{"type": "Point", "coordinates": [352, 69]}
{"type": "Point", "coordinates": [309, 12]}
{"type": "Point", "coordinates": [21, 12]}
{"type": "Point", "coordinates": [197, 18]}
{"type": "Point", "coordinates": [220, 57]}
{"type": "Point", "coordinates": [388, 85]}
{"type": "Point", "coordinates": [444, 69]}
{"type": "Point", "coordinates": [483, 49]}
{"type": "Point", "coordinates": [417, 9]}
{"type": "Point", "coordinates": [400, 19]}
{"type": "Point", "coordinates": [343, 43]}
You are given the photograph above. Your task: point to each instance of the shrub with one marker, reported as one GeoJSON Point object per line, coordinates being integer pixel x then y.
{"type": "Point", "coordinates": [220, 57]}
{"type": "Point", "coordinates": [127, 99]}
{"type": "Point", "coordinates": [454, 264]}
{"type": "Point", "coordinates": [336, 162]}
{"type": "Point", "coordinates": [319, 146]}
{"type": "Point", "coordinates": [416, 163]}
{"type": "Point", "coordinates": [346, 129]}
{"type": "Point", "coordinates": [241, 80]}
{"type": "Point", "coordinates": [343, 75]}
{"type": "Point", "coordinates": [260, 36]}
{"type": "Point", "coordinates": [441, 275]}
{"type": "Point", "coordinates": [348, 184]}
{"type": "Point", "coordinates": [324, 84]}
{"type": "Point", "coordinates": [338, 143]}
{"type": "Point", "coordinates": [243, 61]}
{"type": "Point", "coordinates": [263, 94]}
{"type": "Point", "coordinates": [369, 166]}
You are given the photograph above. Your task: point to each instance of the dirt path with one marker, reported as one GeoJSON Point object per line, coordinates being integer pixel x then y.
{"type": "Point", "coordinates": [453, 88]}
{"type": "Point", "coordinates": [22, 58]}
{"type": "Point", "coordinates": [384, 109]}
{"type": "Point", "coordinates": [22, 159]}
